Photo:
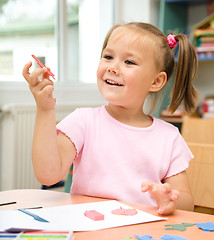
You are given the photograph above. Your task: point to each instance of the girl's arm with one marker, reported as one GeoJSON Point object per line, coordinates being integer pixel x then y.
{"type": "Point", "coordinates": [51, 155]}
{"type": "Point", "coordinates": [181, 184]}
{"type": "Point", "coordinates": [173, 193]}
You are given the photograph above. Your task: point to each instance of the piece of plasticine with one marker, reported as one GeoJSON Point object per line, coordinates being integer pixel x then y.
{"type": "Point", "coordinates": [144, 237]}
{"type": "Point", "coordinates": [94, 215]}
{"type": "Point", "coordinates": [207, 227]}
{"type": "Point", "coordinates": [180, 227]}
{"type": "Point", "coordinates": [126, 212]}
{"type": "Point", "coordinates": [170, 237]}
{"type": "Point", "coordinates": [128, 238]}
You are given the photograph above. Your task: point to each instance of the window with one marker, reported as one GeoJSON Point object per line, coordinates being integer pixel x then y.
{"type": "Point", "coordinates": [84, 40]}
{"type": "Point", "coordinates": [67, 35]}
{"type": "Point", "coordinates": [24, 30]}
{"type": "Point", "coordinates": [6, 63]}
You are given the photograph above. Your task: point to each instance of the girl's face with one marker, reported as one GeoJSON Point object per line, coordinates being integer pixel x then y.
{"type": "Point", "coordinates": [127, 69]}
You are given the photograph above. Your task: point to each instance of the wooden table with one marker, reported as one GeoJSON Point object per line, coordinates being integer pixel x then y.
{"type": "Point", "coordinates": [32, 197]}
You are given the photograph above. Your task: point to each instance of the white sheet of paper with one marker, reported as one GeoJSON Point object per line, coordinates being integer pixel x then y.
{"type": "Point", "coordinates": [72, 218]}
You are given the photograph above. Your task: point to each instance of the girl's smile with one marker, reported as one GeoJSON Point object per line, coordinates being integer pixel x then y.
{"type": "Point", "coordinates": [112, 80]}
{"type": "Point", "coordinates": [113, 83]}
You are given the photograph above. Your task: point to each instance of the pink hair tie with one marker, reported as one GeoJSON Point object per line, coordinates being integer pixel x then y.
{"type": "Point", "coordinates": [171, 41]}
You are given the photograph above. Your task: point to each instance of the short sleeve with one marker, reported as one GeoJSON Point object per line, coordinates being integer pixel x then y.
{"type": "Point", "coordinates": [180, 157]}
{"type": "Point", "coordinates": [73, 126]}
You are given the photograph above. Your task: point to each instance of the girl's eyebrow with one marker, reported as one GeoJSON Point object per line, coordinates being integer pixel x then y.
{"type": "Point", "coordinates": [126, 54]}
{"type": "Point", "coordinates": [133, 55]}
{"type": "Point", "coordinates": [108, 49]}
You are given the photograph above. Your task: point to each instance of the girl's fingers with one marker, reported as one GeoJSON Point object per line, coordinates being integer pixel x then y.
{"type": "Point", "coordinates": [166, 187]}
{"type": "Point", "coordinates": [48, 90]}
{"type": "Point", "coordinates": [174, 195]}
{"type": "Point", "coordinates": [168, 209]}
{"type": "Point", "coordinates": [163, 194]}
{"type": "Point", "coordinates": [32, 78]}
{"type": "Point", "coordinates": [46, 75]}
{"type": "Point", "coordinates": [41, 85]}
{"type": "Point", "coordinates": [25, 71]}
{"type": "Point", "coordinates": [146, 186]}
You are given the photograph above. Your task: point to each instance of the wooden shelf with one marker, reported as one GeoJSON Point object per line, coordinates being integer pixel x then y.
{"type": "Point", "coordinates": [205, 57]}
{"type": "Point", "coordinates": [172, 119]}
{"type": "Point", "coordinates": [188, 1]}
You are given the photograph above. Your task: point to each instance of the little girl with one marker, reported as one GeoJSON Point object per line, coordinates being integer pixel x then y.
{"type": "Point", "coordinates": [118, 151]}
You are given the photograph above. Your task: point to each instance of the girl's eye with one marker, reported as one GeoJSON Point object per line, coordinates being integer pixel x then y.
{"type": "Point", "coordinates": [129, 62]}
{"type": "Point", "coordinates": [108, 57]}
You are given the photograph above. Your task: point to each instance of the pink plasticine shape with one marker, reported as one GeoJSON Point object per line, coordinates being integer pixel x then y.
{"type": "Point", "coordinates": [123, 211]}
{"type": "Point", "coordinates": [94, 215]}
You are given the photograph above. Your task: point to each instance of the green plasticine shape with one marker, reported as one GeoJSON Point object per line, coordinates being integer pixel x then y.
{"type": "Point", "coordinates": [179, 227]}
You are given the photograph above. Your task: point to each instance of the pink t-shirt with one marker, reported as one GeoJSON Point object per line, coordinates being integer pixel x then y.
{"type": "Point", "coordinates": [113, 159]}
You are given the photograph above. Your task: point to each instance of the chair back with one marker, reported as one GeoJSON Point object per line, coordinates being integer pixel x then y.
{"type": "Point", "coordinates": [201, 174]}
{"type": "Point", "coordinates": [198, 130]}
{"type": "Point", "coordinates": [199, 136]}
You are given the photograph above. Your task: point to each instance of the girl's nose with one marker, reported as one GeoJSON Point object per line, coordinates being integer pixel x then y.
{"type": "Point", "coordinates": [113, 69]}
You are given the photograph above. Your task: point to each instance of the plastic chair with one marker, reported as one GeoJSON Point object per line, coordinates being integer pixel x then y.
{"type": "Point", "coordinates": [59, 184]}
{"type": "Point", "coordinates": [69, 179]}
{"type": "Point", "coordinates": [67, 183]}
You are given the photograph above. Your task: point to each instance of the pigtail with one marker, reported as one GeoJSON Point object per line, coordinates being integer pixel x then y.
{"type": "Point", "coordinates": [187, 65]}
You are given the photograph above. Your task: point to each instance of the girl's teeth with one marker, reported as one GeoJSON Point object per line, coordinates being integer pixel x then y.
{"type": "Point", "coordinates": [113, 83]}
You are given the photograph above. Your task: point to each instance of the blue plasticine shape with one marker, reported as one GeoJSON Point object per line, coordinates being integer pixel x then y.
{"type": "Point", "coordinates": [172, 237]}
{"type": "Point", "coordinates": [208, 226]}
{"type": "Point", "coordinates": [144, 237]}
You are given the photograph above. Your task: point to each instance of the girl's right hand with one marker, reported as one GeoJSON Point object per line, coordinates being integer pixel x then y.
{"type": "Point", "coordinates": [41, 90]}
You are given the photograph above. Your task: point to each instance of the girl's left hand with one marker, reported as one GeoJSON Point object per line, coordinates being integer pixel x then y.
{"type": "Point", "coordinates": [163, 194]}
{"type": "Point", "coordinates": [41, 89]}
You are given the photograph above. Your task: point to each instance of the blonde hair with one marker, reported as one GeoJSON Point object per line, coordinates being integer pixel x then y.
{"type": "Point", "coordinates": [186, 69]}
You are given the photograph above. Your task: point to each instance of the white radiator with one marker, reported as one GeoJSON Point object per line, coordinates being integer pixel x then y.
{"type": "Point", "coordinates": [17, 125]}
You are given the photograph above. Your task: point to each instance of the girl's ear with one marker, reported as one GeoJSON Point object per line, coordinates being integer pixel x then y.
{"type": "Point", "coordinates": [159, 82]}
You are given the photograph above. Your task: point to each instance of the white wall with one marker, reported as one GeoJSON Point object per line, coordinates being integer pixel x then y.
{"type": "Point", "coordinates": [137, 11]}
